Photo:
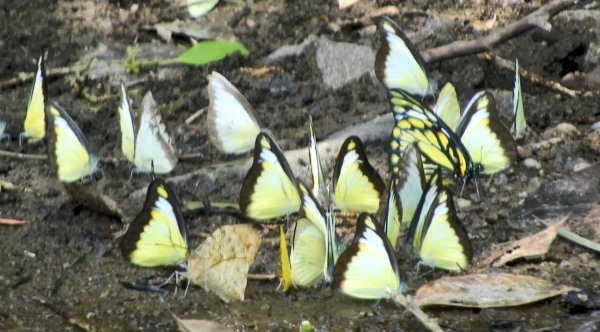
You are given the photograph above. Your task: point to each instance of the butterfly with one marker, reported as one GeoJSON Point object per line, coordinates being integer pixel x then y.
{"type": "Point", "coordinates": [70, 149]}
{"type": "Point", "coordinates": [368, 268]}
{"type": "Point", "coordinates": [357, 185]}
{"type": "Point", "coordinates": [519, 123]}
{"type": "Point", "coordinates": [231, 123]}
{"type": "Point", "coordinates": [286, 269]}
{"type": "Point", "coordinates": [410, 183]}
{"type": "Point", "coordinates": [399, 65]}
{"type": "Point", "coordinates": [157, 236]}
{"type": "Point", "coordinates": [319, 188]}
{"type": "Point", "coordinates": [269, 189]}
{"type": "Point", "coordinates": [221, 263]}
{"type": "Point", "coordinates": [35, 122]}
{"type": "Point", "coordinates": [197, 8]}
{"type": "Point", "coordinates": [392, 214]}
{"type": "Point", "coordinates": [147, 146]}
{"type": "Point", "coordinates": [447, 107]}
{"type": "Point", "coordinates": [314, 244]}
{"type": "Point", "coordinates": [480, 144]}
{"type": "Point", "coordinates": [435, 234]}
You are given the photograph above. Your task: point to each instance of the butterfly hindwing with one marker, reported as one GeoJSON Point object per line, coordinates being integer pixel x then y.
{"type": "Point", "coordinates": [357, 185]}
{"type": "Point", "coordinates": [368, 269]}
{"type": "Point", "coordinates": [158, 235]}
{"type": "Point", "coordinates": [35, 123]}
{"type": "Point", "coordinates": [411, 182]}
{"type": "Point", "coordinates": [269, 190]}
{"type": "Point", "coordinates": [319, 188]}
{"type": "Point", "coordinates": [447, 107]}
{"type": "Point", "coordinates": [399, 65]}
{"type": "Point", "coordinates": [392, 216]}
{"type": "Point", "coordinates": [231, 122]}
{"type": "Point", "coordinates": [127, 125]}
{"type": "Point", "coordinates": [70, 149]}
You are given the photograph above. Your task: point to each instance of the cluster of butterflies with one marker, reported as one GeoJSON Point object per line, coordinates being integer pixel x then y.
{"type": "Point", "coordinates": [145, 142]}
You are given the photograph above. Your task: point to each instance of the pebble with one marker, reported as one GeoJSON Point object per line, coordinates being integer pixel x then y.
{"type": "Point", "coordinates": [563, 130]}
{"type": "Point", "coordinates": [463, 203]}
{"type": "Point", "coordinates": [580, 165]}
{"type": "Point", "coordinates": [532, 163]}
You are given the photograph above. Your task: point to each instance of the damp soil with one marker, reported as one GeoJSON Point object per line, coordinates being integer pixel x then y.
{"type": "Point", "coordinates": [63, 270]}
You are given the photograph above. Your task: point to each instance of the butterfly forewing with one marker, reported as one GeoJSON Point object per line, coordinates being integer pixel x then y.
{"type": "Point", "coordinates": [127, 125]}
{"type": "Point", "coordinates": [35, 124]}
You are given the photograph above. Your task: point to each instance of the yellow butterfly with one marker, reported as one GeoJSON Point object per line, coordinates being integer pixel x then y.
{"type": "Point", "coordinates": [286, 269]}
{"type": "Point", "coordinates": [35, 122]}
{"type": "Point", "coordinates": [410, 184]}
{"type": "Point", "coordinates": [368, 268]}
{"type": "Point", "coordinates": [319, 188]}
{"type": "Point", "coordinates": [221, 263]}
{"type": "Point", "coordinates": [392, 214]}
{"type": "Point", "coordinates": [157, 236]}
{"type": "Point", "coordinates": [447, 107]}
{"type": "Point", "coordinates": [399, 65]}
{"type": "Point", "coordinates": [70, 149]}
{"type": "Point", "coordinates": [231, 123]}
{"type": "Point", "coordinates": [314, 245]}
{"type": "Point", "coordinates": [519, 123]}
{"type": "Point", "coordinates": [148, 146]}
{"type": "Point", "coordinates": [269, 190]}
{"type": "Point", "coordinates": [436, 235]}
{"type": "Point", "coordinates": [480, 144]}
{"type": "Point", "coordinates": [357, 185]}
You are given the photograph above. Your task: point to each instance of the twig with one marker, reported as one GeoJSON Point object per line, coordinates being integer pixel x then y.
{"type": "Point", "coordinates": [533, 77]}
{"type": "Point", "coordinates": [407, 302]}
{"type": "Point", "coordinates": [24, 77]}
{"type": "Point", "coordinates": [267, 276]}
{"type": "Point", "coordinates": [538, 18]}
{"type": "Point", "coordinates": [9, 154]}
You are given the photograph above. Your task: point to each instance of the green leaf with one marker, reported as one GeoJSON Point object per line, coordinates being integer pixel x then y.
{"type": "Point", "coordinates": [210, 51]}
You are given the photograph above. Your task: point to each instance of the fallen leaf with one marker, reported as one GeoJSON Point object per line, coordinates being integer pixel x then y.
{"type": "Point", "coordinates": [481, 26]}
{"type": "Point", "coordinates": [487, 291]}
{"type": "Point", "coordinates": [92, 199]}
{"type": "Point", "coordinates": [221, 263]}
{"type": "Point", "coordinates": [16, 222]}
{"type": "Point", "coordinates": [199, 325]}
{"type": "Point", "coordinates": [535, 245]}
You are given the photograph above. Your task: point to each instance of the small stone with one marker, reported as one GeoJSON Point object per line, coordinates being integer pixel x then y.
{"type": "Point", "coordinates": [532, 163]}
{"type": "Point", "coordinates": [463, 203]}
{"type": "Point", "coordinates": [265, 307]}
{"type": "Point", "coordinates": [561, 130]}
{"type": "Point", "coordinates": [580, 165]}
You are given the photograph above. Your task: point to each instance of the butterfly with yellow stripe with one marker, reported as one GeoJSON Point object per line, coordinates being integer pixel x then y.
{"type": "Point", "coordinates": [356, 184]}
{"type": "Point", "coordinates": [284, 260]}
{"type": "Point", "coordinates": [480, 144]}
{"type": "Point", "coordinates": [269, 189]}
{"type": "Point", "coordinates": [519, 124]}
{"type": "Point", "coordinates": [314, 245]}
{"type": "Point", "coordinates": [35, 121]}
{"type": "Point", "coordinates": [319, 188]}
{"type": "Point", "coordinates": [392, 213]}
{"type": "Point", "coordinates": [368, 268]}
{"type": "Point", "coordinates": [157, 236]}
{"type": "Point", "coordinates": [399, 65]}
{"type": "Point", "coordinates": [435, 234]}
{"type": "Point", "coordinates": [70, 150]}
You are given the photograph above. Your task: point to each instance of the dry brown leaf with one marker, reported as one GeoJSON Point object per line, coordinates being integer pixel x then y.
{"type": "Point", "coordinates": [12, 222]}
{"type": "Point", "coordinates": [221, 263]}
{"type": "Point", "coordinates": [199, 325]}
{"type": "Point", "coordinates": [535, 245]}
{"type": "Point", "coordinates": [487, 291]}
{"type": "Point", "coordinates": [91, 198]}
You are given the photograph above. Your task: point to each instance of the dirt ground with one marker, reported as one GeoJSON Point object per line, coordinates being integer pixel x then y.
{"type": "Point", "coordinates": [63, 270]}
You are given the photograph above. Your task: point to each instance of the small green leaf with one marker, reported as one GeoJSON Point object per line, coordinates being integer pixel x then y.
{"type": "Point", "coordinates": [210, 51]}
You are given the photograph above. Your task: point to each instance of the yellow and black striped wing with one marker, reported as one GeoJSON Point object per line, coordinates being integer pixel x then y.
{"type": "Point", "coordinates": [269, 190]}
{"type": "Point", "coordinates": [157, 236]}
{"type": "Point", "coordinates": [357, 185]}
{"type": "Point", "coordinates": [368, 269]}
{"type": "Point", "coordinates": [417, 124]}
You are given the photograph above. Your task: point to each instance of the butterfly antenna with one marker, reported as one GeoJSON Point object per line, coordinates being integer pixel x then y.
{"type": "Point", "coordinates": [462, 188]}
{"type": "Point", "coordinates": [21, 137]}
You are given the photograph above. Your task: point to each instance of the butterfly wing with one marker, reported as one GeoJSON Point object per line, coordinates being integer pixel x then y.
{"type": "Point", "coordinates": [488, 142]}
{"type": "Point", "coordinates": [71, 150]}
{"type": "Point", "coordinates": [310, 247]}
{"type": "Point", "coordinates": [392, 225]}
{"type": "Point", "coordinates": [35, 124]}
{"type": "Point", "coordinates": [519, 123]}
{"type": "Point", "coordinates": [197, 8]}
{"type": "Point", "coordinates": [269, 190]}
{"type": "Point", "coordinates": [411, 182]}
{"type": "Point", "coordinates": [357, 185]}
{"type": "Point", "coordinates": [127, 125]}
{"type": "Point", "coordinates": [416, 124]}
{"type": "Point", "coordinates": [419, 220]}
{"type": "Point", "coordinates": [399, 65]}
{"type": "Point", "coordinates": [444, 243]}
{"type": "Point", "coordinates": [157, 236]}
{"type": "Point", "coordinates": [221, 263]}
{"type": "Point", "coordinates": [286, 269]}
{"type": "Point", "coordinates": [447, 107]}
{"type": "Point", "coordinates": [154, 151]}
{"type": "Point", "coordinates": [367, 269]}
{"type": "Point", "coordinates": [316, 169]}
{"type": "Point", "coordinates": [231, 123]}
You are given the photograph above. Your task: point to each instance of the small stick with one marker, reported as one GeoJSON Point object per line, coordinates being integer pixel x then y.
{"type": "Point", "coordinates": [407, 302]}
{"type": "Point", "coordinates": [263, 276]}
{"type": "Point", "coordinates": [9, 154]}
